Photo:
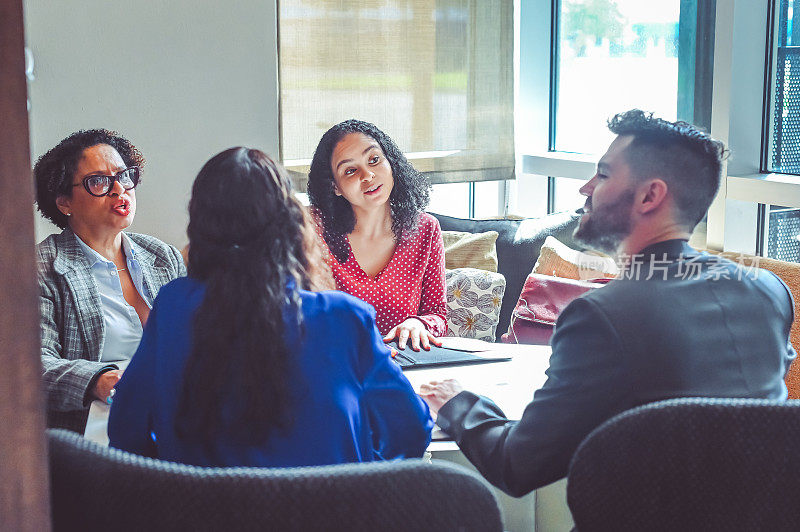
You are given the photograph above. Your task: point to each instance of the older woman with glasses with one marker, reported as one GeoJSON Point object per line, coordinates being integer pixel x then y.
{"type": "Point", "coordinates": [96, 282]}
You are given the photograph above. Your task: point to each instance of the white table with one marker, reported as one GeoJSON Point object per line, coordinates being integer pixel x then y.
{"type": "Point", "coordinates": [509, 384]}
{"type": "Point", "coordinates": [97, 422]}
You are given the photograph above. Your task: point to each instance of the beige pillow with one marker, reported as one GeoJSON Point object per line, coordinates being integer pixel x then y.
{"type": "Point", "coordinates": [470, 250]}
{"type": "Point", "coordinates": [559, 260]}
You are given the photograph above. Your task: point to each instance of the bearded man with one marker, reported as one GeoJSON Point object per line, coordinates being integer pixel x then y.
{"type": "Point", "coordinates": [676, 323]}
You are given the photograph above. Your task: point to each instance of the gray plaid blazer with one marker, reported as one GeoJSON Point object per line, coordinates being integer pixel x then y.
{"type": "Point", "coordinates": [72, 326]}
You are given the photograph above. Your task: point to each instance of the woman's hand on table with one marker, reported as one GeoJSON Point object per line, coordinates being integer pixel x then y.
{"type": "Point", "coordinates": [105, 383]}
{"type": "Point", "coordinates": [437, 393]}
{"type": "Point", "coordinates": [412, 330]}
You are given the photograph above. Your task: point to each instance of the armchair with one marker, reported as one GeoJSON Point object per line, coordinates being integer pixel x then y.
{"type": "Point", "coordinates": [690, 464]}
{"type": "Point", "coordinates": [98, 488]}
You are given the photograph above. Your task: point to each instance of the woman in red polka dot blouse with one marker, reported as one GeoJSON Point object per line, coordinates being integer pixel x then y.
{"type": "Point", "coordinates": [367, 201]}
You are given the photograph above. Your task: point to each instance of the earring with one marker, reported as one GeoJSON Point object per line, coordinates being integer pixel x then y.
{"type": "Point", "coordinates": [69, 214]}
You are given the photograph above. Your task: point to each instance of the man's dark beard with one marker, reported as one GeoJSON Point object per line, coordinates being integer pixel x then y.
{"type": "Point", "coordinates": [607, 226]}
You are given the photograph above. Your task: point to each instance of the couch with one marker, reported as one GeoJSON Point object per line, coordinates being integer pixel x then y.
{"type": "Point", "coordinates": [518, 246]}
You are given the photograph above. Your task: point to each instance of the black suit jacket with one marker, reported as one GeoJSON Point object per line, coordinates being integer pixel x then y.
{"type": "Point", "coordinates": [678, 323]}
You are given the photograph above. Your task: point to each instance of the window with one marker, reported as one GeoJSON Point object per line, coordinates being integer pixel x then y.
{"type": "Point", "coordinates": [779, 229]}
{"type": "Point", "coordinates": [484, 199]}
{"type": "Point", "coordinates": [436, 76]}
{"type": "Point", "coordinates": [756, 208]}
{"type": "Point", "coordinates": [566, 195]}
{"type": "Point", "coordinates": [783, 233]}
{"type": "Point", "coordinates": [451, 199]}
{"type": "Point", "coordinates": [613, 55]}
{"type": "Point", "coordinates": [607, 56]}
{"type": "Point", "coordinates": [784, 137]}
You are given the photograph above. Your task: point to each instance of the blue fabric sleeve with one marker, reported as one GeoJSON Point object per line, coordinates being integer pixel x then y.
{"type": "Point", "coordinates": [130, 421]}
{"type": "Point", "coordinates": [400, 420]}
{"type": "Point", "coordinates": [586, 384]}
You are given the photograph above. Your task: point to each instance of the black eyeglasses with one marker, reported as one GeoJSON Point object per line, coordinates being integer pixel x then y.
{"type": "Point", "coordinates": [101, 185]}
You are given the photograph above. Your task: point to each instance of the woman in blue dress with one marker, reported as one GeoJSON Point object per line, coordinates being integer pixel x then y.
{"type": "Point", "coordinates": [241, 364]}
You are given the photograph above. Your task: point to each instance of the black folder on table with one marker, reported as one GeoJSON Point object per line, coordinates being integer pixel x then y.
{"type": "Point", "coordinates": [441, 356]}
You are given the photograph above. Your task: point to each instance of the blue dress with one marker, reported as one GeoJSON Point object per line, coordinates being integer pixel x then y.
{"type": "Point", "coordinates": [350, 401]}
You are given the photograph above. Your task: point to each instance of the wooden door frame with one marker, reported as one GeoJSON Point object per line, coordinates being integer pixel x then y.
{"type": "Point", "coordinates": [24, 486]}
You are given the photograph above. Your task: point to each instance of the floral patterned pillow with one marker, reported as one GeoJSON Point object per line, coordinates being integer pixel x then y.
{"type": "Point", "coordinates": [473, 302]}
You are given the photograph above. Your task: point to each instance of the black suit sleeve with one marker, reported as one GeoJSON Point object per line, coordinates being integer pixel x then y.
{"type": "Point", "coordinates": [586, 384]}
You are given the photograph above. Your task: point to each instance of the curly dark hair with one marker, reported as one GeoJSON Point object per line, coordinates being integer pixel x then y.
{"type": "Point", "coordinates": [247, 244]}
{"type": "Point", "coordinates": [54, 170]}
{"type": "Point", "coordinates": [688, 159]}
{"type": "Point", "coordinates": [409, 197]}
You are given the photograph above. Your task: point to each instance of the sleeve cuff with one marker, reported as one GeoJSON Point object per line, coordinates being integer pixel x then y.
{"type": "Point", "coordinates": [88, 397]}
{"type": "Point", "coordinates": [431, 323]}
{"type": "Point", "coordinates": [451, 416]}
{"type": "Point", "coordinates": [422, 320]}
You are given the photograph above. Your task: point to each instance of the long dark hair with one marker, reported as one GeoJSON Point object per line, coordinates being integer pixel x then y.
{"type": "Point", "coordinates": [248, 245]}
{"type": "Point", "coordinates": [409, 197]}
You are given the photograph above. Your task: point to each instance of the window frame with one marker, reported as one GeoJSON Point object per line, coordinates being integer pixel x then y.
{"type": "Point", "coordinates": [747, 179]}
{"type": "Point", "coordinates": [739, 117]}
{"type": "Point", "coordinates": [539, 158]}
{"type": "Point", "coordinates": [468, 165]}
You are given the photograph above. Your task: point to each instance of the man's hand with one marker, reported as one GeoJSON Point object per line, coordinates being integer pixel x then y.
{"type": "Point", "coordinates": [437, 393]}
{"type": "Point", "coordinates": [105, 383]}
{"type": "Point", "coordinates": [414, 330]}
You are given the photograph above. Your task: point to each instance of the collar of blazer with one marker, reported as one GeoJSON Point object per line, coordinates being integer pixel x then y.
{"type": "Point", "coordinates": [71, 263]}
{"type": "Point", "coordinates": [676, 249]}
{"type": "Point", "coordinates": [70, 258]}
{"type": "Point", "coordinates": [69, 253]}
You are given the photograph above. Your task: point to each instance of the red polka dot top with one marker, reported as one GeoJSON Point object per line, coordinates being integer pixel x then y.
{"type": "Point", "coordinates": [411, 284]}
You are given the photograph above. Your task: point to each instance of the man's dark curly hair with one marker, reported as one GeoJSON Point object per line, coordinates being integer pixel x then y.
{"type": "Point", "coordinates": [686, 158]}
{"type": "Point", "coordinates": [54, 170]}
{"type": "Point", "coordinates": [409, 197]}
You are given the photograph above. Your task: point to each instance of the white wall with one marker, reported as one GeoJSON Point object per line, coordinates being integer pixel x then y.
{"type": "Point", "coordinates": [181, 79]}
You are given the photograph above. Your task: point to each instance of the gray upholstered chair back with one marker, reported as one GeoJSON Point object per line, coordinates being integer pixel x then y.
{"type": "Point", "coordinates": [691, 464]}
{"type": "Point", "coordinates": [97, 488]}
